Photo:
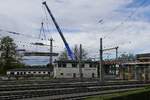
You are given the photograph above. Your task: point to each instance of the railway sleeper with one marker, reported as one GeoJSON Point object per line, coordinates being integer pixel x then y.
{"type": "Point", "coordinates": [35, 93]}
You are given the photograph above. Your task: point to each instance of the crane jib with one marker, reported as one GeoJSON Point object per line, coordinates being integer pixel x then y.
{"type": "Point", "coordinates": [70, 53]}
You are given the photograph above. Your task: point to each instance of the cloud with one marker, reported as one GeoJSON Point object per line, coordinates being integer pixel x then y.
{"type": "Point", "coordinates": [78, 20]}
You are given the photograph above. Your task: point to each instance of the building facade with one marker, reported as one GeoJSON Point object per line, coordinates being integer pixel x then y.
{"type": "Point", "coordinates": [72, 69]}
{"type": "Point", "coordinates": [138, 70]}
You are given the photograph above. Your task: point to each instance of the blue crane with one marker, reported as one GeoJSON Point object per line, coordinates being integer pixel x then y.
{"type": "Point", "coordinates": [70, 53]}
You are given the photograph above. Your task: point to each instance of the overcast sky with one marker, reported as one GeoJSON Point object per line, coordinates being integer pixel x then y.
{"type": "Point", "coordinates": [123, 23]}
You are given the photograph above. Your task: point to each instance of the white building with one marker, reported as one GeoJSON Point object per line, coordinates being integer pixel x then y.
{"type": "Point", "coordinates": [29, 72]}
{"type": "Point", "coordinates": [71, 69]}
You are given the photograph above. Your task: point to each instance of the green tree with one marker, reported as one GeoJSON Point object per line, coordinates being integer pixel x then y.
{"type": "Point", "coordinates": [9, 57]}
{"type": "Point", "coordinates": [76, 51]}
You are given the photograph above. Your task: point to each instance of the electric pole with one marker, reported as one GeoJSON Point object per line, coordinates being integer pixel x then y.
{"type": "Point", "coordinates": [100, 72]}
{"type": "Point", "coordinates": [117, 53]}
{"type": "Point", "coordinates": [80, 63]}
{"type": "Point", "coordinates": [51, 52]}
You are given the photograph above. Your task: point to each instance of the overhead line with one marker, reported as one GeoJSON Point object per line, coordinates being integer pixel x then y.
{"type": "Point", "coordinates": [130, 16]}
{"type": "Point", "coordinates": [126, 19]}
{"type": "Point", "coordinates": [17, 33]}
{"type": "Point", "coordinates": [46, 18]}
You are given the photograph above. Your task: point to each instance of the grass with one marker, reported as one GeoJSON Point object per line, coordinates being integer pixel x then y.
{"type": "Point", "coordinates": [130, 95]}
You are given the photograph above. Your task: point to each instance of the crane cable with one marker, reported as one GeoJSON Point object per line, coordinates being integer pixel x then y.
{"type": "Point", "coordinates": [47, 21]}
{"type": "Point", "coordinates": [42, 32]}
{"type": "Point", "coordinates": [128, 17]}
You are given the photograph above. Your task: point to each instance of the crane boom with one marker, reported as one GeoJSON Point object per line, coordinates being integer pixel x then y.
{"type": "Point", "coordinates": [70, 53]}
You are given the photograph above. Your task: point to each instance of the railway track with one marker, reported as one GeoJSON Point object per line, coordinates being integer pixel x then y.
{"type": "Point", "coordinates": [36, 86]}
{"type": "Point", "coordinates": [13, 92]}
{"type": "Point", "coordinates": [81, 96]}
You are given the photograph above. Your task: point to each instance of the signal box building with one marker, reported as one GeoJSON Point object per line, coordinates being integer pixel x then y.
{"type": "Point", "coordinates": [71, 69]}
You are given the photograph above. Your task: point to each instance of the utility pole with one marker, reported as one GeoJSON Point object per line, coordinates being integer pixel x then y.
{"type": "Point", "coordinates": [80, 63]}
{"type": "Point", "coordinates": [117, 53]}
{"type": "Point", "coordinates": [80, 51]}
{"type": "Point", "coordinates": [51, 52]}
{"type": "Point", "coordinates": [100, 72]}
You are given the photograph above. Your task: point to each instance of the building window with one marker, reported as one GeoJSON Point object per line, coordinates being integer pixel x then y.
{"type": "Point", "coordinates": [17, 73]}
{"type": "Point", "coordinates": [82, 65]}
{"type": "Point", "coordinates": [74, 75]}
{"type": "Point", "coordinates": [39, 72]}
{"type": "Point", "coordinates": [74, 65]}
{"type": "Point", "coordinates": [61, 73]}
{"type": "Point", "coordinates": [59, 64]}
{"type": "Point", "coordinates": [82, 75]}
{"type": "Point", "coordinates": [21, 73]}
{"type": "Point", "coordinates": [29, 72]}
{"type": "Point", "coordinates": [93, 75]}
{"type": "Point", "coordinates": [34, 72]}
{"type": "Point", "coordinates": [11, 73]}
{"type": "Point", "coordinates": [64, 65]}
{"type": "Point", "coordinates": [48, 72]}
{"type": "Point", "coordinates": [91, 65]}
{"type": "Point", "coordinates": [44, 72]}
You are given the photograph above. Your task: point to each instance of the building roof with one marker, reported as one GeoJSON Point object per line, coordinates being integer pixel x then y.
{"type": "Point", "coordinates": [73, 61]}
{"type": "Point", "coordinates": [137, 63]}
{"type": "Point", "coordinates": [143, 56]}
{"type": "Point", "coordinates": [40, 54]}
{"type": "Point", "coordinates": [30, 69]}
{"type": "Point", "coordinates": [88, 61]}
